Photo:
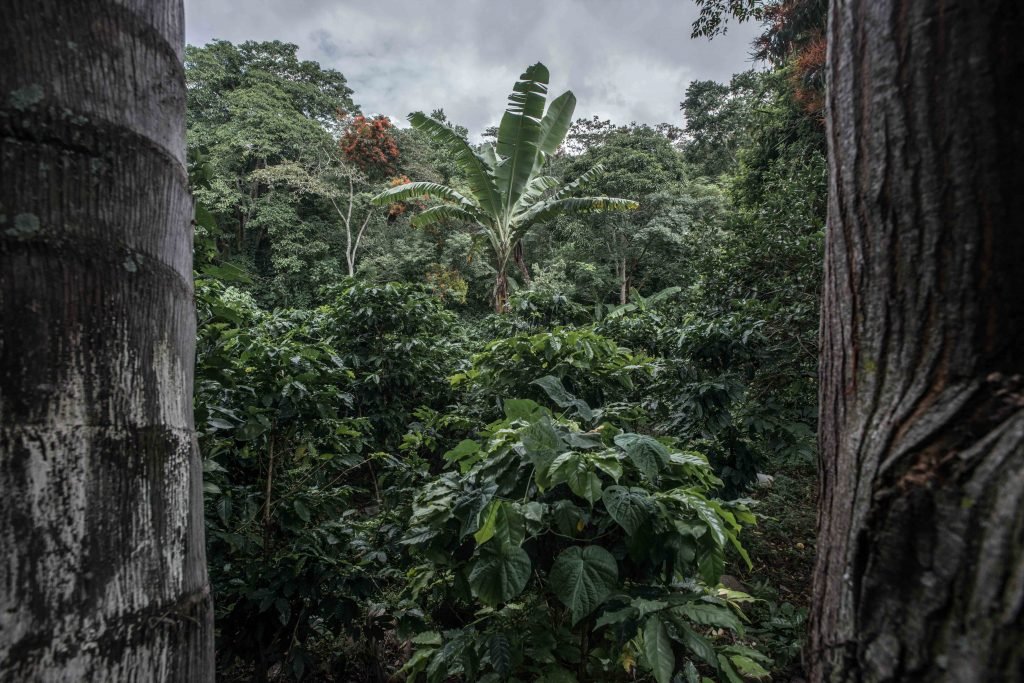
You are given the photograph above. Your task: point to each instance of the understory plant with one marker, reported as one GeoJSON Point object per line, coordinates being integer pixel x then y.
{"type": "Point", "coordinates": [558, 547]}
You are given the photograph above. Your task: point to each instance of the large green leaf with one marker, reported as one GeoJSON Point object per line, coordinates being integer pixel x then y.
{"type": "Point", "coordinates": [440, 214]}
{"type": "Point", "coordinates": [542, 444]}
{"type": "Point", "coordinates": [576, 470]}
{"type": "Point", "coordinates": [555, 390]}
{"type": "Point", "coordinates": [572, 206]}
{"type": "Point", "coordinates": [556, 122]}
{"type": "Point", "coordinates": [582, 578]}
{"type": "Point", "coordinates": [412, 190]}
{"type": "Point", "coordinates": [478, 175]}
{"type": "Point", "coordinates": [629, 507]}
{"type": "Point", "coordinates": [500, 573]}
{"type": "Point", "coordinates": [504, 523]}
{"type": "Point", "coordinates": [519, 134]}
{"type": "Point", "coordinates": [646, 452]}
{"type": "Point", "coordinates": [658, 650]}
{"type": "Point", "coordinates": [709, 614]}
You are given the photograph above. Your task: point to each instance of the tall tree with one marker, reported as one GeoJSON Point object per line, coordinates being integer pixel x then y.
{"type": "Point", "coordinates": [507, 192]}
{"type": "Point", "coordinates": [920, 572]}
{"type": "Point", "coordinates": [101, 520]}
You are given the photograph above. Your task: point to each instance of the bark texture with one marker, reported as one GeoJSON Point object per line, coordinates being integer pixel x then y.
{"type": "Point", "coordinates": [103, 575]}
{"type": "Point", "coordinates": [920, 565]}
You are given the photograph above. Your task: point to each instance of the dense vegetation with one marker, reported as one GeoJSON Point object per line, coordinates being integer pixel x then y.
{"type": "Point", "coordinates": [462, 421]}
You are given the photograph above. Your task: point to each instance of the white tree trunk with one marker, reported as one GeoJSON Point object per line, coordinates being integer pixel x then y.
{"type": "Point", "coordinates": [103, 573]}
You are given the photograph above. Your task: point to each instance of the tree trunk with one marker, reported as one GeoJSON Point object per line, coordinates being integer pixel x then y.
{"type": "Point", "coordinates": [920, 558]}
{"type": "Point", "coordinates": [101, 523]}
{"type": "Point", "coordinates": [623, 282]}
{"type": "Point", "coordinates": [519, 254]}
{"type": "Point", "coordinates": [501, 292]}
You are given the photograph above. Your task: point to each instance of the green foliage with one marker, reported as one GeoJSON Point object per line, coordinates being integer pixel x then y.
{"type": "Point", "coordinates": [507, 193]}
{"type": "Point", "coordinates": [397, 480]}
{"type": "Point", "coordinates": [401, 345]}
{"type": "Point", "coordinates": [549, 552]}
{"type": "Point", "coordinates": [591, 366]}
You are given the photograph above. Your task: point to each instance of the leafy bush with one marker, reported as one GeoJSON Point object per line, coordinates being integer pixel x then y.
{"type": "Point", "coordinates": [401, 344]}
{"type": "Point", "coordinates": [550, 552]}
{"type": "Point", "coordinates": [591, 366]}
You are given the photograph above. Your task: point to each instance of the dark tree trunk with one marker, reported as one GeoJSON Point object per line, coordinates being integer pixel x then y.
{"type": "Point", "coordinates": [103, 575]}
{"type": "Point", "coordinates": [519, 254]}
{"type": "Point", "coordinates": [920, 558]}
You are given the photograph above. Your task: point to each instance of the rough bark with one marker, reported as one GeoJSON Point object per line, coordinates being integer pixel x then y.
{"type": "Point", "coordinates": [103, 575]}
{"type": "Point", "coordinates": [920, 564]}
{"type": "Point", "coordinates": [519, 254]}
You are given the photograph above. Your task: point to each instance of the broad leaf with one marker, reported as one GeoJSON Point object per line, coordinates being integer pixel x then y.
{"type": "Point", "coordinates": [576, 470]}
{"type": "Point", "coordinates": [582, 578]}
{"type": "Point", "coordinates": [629, 507]}
{"type": "Point", "coordinates": [556, 122]}
{"type": "Point", "coordinates": [500, 573]}
{"type": "Point", "coordinates": [658, 650]}
{"type": "Point", "coordinates": [519, 134]}
{"type": "Point", "coordinates": [646, 452]}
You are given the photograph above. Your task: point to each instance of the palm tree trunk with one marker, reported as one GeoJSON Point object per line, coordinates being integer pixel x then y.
{"type": "Point", "coordinates": [501, 261]}
{"type": "Point", "coordinates": [519, 254]}
{"type": "Point", "coordinates": [101, 522]}
{"type": "Point", "coordinates": [501, 292]}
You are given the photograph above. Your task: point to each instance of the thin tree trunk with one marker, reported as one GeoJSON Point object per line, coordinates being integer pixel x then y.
{"type": "Point", "coordinates": [501, 281]}
{"type": "Point", "coordinates": [501, 292]}
{"type": "Point", "coordinates": [519, 254]}
{"type": "Point", "coordinates": [920, 558]}
{"type": "Point", "coordinates": [101, 522]}
{"type": "Point", "coordinates": [623, 282]}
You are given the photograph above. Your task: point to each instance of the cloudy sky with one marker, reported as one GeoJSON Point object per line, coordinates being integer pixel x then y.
{"type": "Point", "coordinates": [627, 60]}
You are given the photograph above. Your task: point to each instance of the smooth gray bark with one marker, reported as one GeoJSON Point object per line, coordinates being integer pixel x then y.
{"type": "Point", "coordinates": [920, 557]}
{"type": "Point", "coordinates": [103, 573]}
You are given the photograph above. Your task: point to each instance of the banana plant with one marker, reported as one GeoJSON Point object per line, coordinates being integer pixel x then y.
{"type": "Point", "coordinates": [507, 192]}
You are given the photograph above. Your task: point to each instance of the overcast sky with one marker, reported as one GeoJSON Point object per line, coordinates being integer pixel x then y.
{"type": "Point", "coordinates": [627, 60]}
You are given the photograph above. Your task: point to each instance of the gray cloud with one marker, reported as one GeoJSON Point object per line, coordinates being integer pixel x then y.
{"type": "Point", "coordinates": [627, 60]}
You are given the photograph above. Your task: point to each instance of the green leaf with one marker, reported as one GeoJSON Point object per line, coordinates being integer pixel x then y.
{"type": "Point", "coordinates": [708, 614]}
{"type": "Point", "coordinates": [227, 272]}
{"type": "Point", "coordinates": [582, 578]}
{"type": "Point", "coordinates": [748, 668]}
{"type": "Point", "coordinates": [500, 651]}
{"type": "Point", "coordinates": [522, 409]}
{"type": "Point", "coordinates": [575, 469]}
{"type": "Point", "coordinates": [542, 445]}
{"type": "Point", "coordinates": [697, 644]}
{"type": "Point", "coordinates": [553, 387]}
{"type": "Point", "coordinates": [556, 122]}
{"type": "Point", "coordinates": [486, 530]}
{"type": "Point", "coordinates": [726, 667]}
{"type": "Point", "coordinates": [658, 650]}
{"type": "Point", "coordinates": [500, 573]}
{"type": "Point", "coordinates": [711, 564]}
{"type": "Point", "coordinates": [504, 523]}
{"type": "Point", "coordinates": [250, 430]}
{"type": "Point", "coordinates": [426, 638]}
{"type": "Point", "coordinates": [646, 452]}
{"type": "Point", "coordinates": [616, 616]}
{"type": "Point", "coordinates": [479, 177]}
{"type": "Point", "coordinates": [519, 133]}
{"type": "Point", "coordinates": [420, 189]}
{"type": "Point", "coordinates": [510, 525]}
{"type": "Point", "coordinates": [218, 423]}
{"type": "Point", "coordinates": [463, 453]}
{"type": "Point", "coordinates": [629, 507]}
{"type": "Point", "coordinates": [301, 510]}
